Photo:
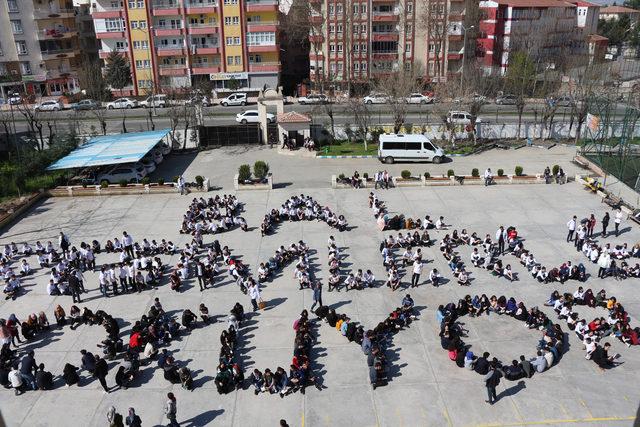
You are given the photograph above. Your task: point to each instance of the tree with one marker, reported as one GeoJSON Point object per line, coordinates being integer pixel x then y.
{"type": "Point", "coordinates": [95, 87]}
{"type": "Point", "coordinates": [397, 87]}
{"type": "Point", "coordinates": [34, 123]}
{"type": "Point", "coordinates": [431, 19]}
{"type": "Point", "coordinates": [117, 72]}
{"type": "Point", "coordinates": [362, 117]}
{"type": "Point", "coordinates": [520, 80]}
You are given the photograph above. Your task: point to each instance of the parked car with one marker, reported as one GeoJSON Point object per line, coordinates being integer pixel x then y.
{"type": "Point", "coordinates": [375, 98]}
{"type": "Point", "coordinates": [251, 116]}
{"type": "Point", "coordinates": [459, 117]}
{"type": "Point", "coordinates": [49, 106]}
{"type": "Point", "coordinates": [85, 104]}
{"type": "Point", "coordinates": [121, 103]}
{"type": "Point", "coordinates": [148, 164]}
{"type": "Point", "coordinates": [155, 155]}
{"type": "Point", "coordinates": [158, 101]}
{"type": "Point", "coordinates": [199, 99]}
{"type": "Point", "coordinates": [235, 99]}
{"type": "Point", "coordinates": [164, 148]}
{"type": "Point", "coordinates": [506, 100]}
{"type": "Point", "coordinates": [418, 98]}
{"type": "Point", "coordinates": [14, 99]}
{"type": "Point", "coordinates": [126, 171]}
{"type": "Point", "coordinates": [561, 101]}
{"type": "Point", "coordinates": [313, 99]}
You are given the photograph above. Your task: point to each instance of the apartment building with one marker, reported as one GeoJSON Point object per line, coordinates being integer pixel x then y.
{"type": "Point", "coordinates": [555, 29]}
{"type": "Point", "coordinates": [360, 40]}
{"type": "Point", "coordinates": [174, 44]}
{"type": "Point", "coordinates": [39, 49]}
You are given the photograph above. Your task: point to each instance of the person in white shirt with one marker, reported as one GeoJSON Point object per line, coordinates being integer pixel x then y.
{"type": "Point", "coordinates": [488, 177]}
{"type": "Point", "coordinates": [368, 278]}
{"type": "Point", "coordinates": [589, 346]}
{"type": "Point", "coordinates": [542, 275]}
{"type": "Point", "coordinates": [254, 294]}
{"type": "Point", "coordinates": [434, 277]}
{"type": "Point", "coordinates": [417, 270]}
{"type": "Point", "coordinates": [571, 226]}
{"type": "Point", "coordinates": [440, 225]}
{"type": "Point", "coordinates": [407, 256]}
{"type": "Point", "coordinates": [127, 242]}
{"type": "Point", "coordinates": [617, 220]}
{"type": "Point", "coordinates": [25, 268]}
{"type": "Point", "coordinates": [103, 279]}
{"type": "Point", "coordinates": [476, 259]}
{"type": "Point", "coordinates": [52, 289]}
{"type": "Point", "coordinates": [349, 282]}
{"type": "Point", "coordinates": [26, 249]}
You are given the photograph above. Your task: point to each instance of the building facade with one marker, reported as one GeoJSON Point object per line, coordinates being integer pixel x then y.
{"type": "Point", "coordinates": [360, 40]}
{"type": "Point", "coordinates": [175, 44]}
{"type": "Point", "coordinates": [39, 47]}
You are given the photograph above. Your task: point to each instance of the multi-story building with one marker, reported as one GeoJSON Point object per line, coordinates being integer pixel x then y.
{"type": "Point", "coordinates": [548, 27]}
{"type": "Point", "coordinates": [39, 51]}
{"type": "Point", "coordinates": [359, 40]}
{"type": "Point", "coordinates": [174, 44]}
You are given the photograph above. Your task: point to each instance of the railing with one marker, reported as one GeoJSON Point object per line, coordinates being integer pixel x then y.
{"type": "Point", "coordinates": [390, 12]}
{"type": "Point", "coordinates": [172, 66]}
{"type": "Point", "coordinates": [110, 30]}
{"type": "Point", "coordinates": [201, 3]}
{"type": "Point", "coordinates": [205, 46]}
{"type": "Point", "coordinates": [204, 65]}
{"type": "Point", "coordinates": [170, 47]}
{"type": "Point", "coordinates": [165, 4]}
{"type": "Point", "coordinates": [205, 25]}
{"type": "Point", "coordinates": [100, 8]}
{"type": "Point", "coordinates": [56, 52]}
{"type": "Point", "coordinates": [167, 27]}
{"type": "Point", "coordinates": [55, 32]}
{"type": "Point", "coordinates": [259, 2]}
{"type": "Point", "coordinates": [256, 23]}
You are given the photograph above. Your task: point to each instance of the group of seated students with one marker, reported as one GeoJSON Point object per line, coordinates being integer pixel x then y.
{"type": "Point", "coordinates": [213, 215]}
{"type": "Point", "coordinates": [375, 341]}
{"type": "Point", "coordinates": [617, 324]}
{"type": "Point", "coordinates": [408, 258]}
{"type": "Point", "coordinates": [357, 281]}
{"type": "Point", "coordinates": [32, 326]}
{"type": "Point", "coordinates": [613, 261]}
{"type": "Point", "coordinates": [298, 252]}
{"type": "Point", "coordinates": [548, 351]}
{"type": "Point", "coordinates": [300, 372]}
{"type": "Point", "coordinates": [300, 208]}
{"type": "Point", "coordinates": [229, 373]}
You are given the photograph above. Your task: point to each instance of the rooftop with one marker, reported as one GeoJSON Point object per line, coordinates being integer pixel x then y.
{"type": "Point", "coordinates": [293, 117]}
{"type": "Point", "coordinates": [617, 10]}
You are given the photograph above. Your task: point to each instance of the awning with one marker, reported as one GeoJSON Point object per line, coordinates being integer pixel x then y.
{"type": "Point", "coordinates": [111, 150]}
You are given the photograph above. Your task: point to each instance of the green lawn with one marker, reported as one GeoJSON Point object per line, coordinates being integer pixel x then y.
{"type": "Point", "coordinates": [348, 149]}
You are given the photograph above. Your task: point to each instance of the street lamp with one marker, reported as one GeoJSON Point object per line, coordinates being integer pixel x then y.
{"type": "Point", "coordinates": [464, 49]}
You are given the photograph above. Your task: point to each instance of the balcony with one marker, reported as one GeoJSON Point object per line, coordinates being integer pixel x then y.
{"type": "Point", "coordinates": [261, 5]}
{"type": "Point", "coordinates": [55, 34]}
{"type": "Point", "coordinates": [58, 54]}
{"type": "Point", "coordinates": [257, 67]}
{"type": "Point", "coordinates": [102, 12]}
{"type": "Point", "coordinates": [209, 28]}
{"type": "Point", "coordinates": [170, 50]}
{"type": "Point", "coordinates": [454, 56]}
{"type": "Point", "coordinates": [173, 69]}
{"type": "Point", "coordinates": [205, 68]}
{"type": "Point", "coordinates": [263, 48]}
{"type": "Point", "coordinates": [385, 36]}
{"type": "Point", "coordinates": [205, 49]}
{"type": "Point", "coordinates": [109, 33]}
{"type": "Point", "coordinates": [201, 7]}
{"type": "Point", "coordinates": [391, 16]}
{"type": "Point", "coordinates": [104, 54]}
{"type": "Point", "coordinates": [168, 30]}
{"type": "Point", "coordinates": [316, 38]}
{"type": "Point", "coordinates": [455, 37]}
{"type": "Point", "coordinates": [388, 55]}
{"type": "Point", "coordinates": [456, 17]}
{"type": "Point", "coordinates": [316, 19]}
{"type": "Point", "coordinates": [166, 8]}
{"type": "Point", "coordinates": [59, 73]}
{"type": "Point", "coordinates": [50, 13]}
{"type": "Point", "coordinates": [261, 26]}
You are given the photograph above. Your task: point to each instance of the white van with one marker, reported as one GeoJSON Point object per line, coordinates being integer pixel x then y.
{"type": "Point", "coordinates": [408, 147]}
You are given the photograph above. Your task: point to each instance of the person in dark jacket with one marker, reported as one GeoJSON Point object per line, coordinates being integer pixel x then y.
{"type": "Point", "coordinates": [101, 371]}
{"type": "Point", "coordinates": [133, 420]}
{"type": "Point", "coordinates": [70, 374]}
{"type": "Point", "coordinates": [482, 364]}
{"type": "Point", "coordinates": [44, 379]}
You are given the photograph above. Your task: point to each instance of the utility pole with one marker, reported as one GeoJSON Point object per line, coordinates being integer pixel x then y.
{"type": "Point", "coordinates": [464, 50]}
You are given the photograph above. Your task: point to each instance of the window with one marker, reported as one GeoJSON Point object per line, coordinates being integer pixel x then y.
{"type": "Point", "coordinates": [339, 28]}
{"type": "Point", "coordinates": [356, 48]}
{"type": "Point", "coordinates": [332, 28]}
{"type": "Point", "coordinates": [332, 48]}
{"type": "Point", "coordinates": [21, 47]}
{"type": "Point", "coordinates": [340, 47]}
{"type": "Point", "coordinates": [432, 47]}
{"type": "Point", "coordinates": [407, 48]}
{"type": "Point", "coordinates": [332, 10]}
{"type": "Point", "coordinates": [237, 60]}
{"type": "Point", "coordinates": [121, 45]}
{"type": "Point", "coordinates": [12, 5]}
{"type": "Point", "coordinates": [363, 66]}
{"type": "Point", "coordinates": [140, 4]}
{"type": "Point", "coordinates": [229, 41]}
{"type": "Point", "coordinates": [3, 69]}
{"type": "Point", "coordinates": [356, 9]}
{"type": "Point", "coordinates": [363, 9]}
{"type": "Point", "coordinates": [235, 20]}
{"type": "Point", "coordinates": [363, 28]}
{"type": "Point", "coordinates": [113, 24]}
{"type": "Point", "coordinates": [229, 60]}
{"type": "Point", "coordinates": [363, 48]}
{"type": "Point", "coordinates": [143, 24]}
{"type": "Point", "coordinates": [236, 41]}
{"type": "Point", "coordinates": [142, 84]}
{"type": "Point", "coordinates": [227, 20]}
{"type": "Point", "coordinates": [143, 63]}
{"type": "Point", "coordinates": [25, 68]}
{"type": "Point", "coordinates": [132, 5]}
{"type": "Point", "coordinates": [134, 24]}
{"type": "Point", "coordinates": [409, 7]}
{"type": "Point", "coordinates": [261, 39]}
{"type": "Point", "coordinates": [339, 9]}
{"type": "Point", "coordinates": [356, 66]}
{"type": "Point", "coordinates": [339, 66]}
{"type": "Point", "coordinates": [16, 26]}
{"type": "Point", "coordinates": [1, 52]}
{"type": "Point", "coordinates": [230, 1]}
{"type": "Point", "coordinates": [141, 44]}
{"type": "Point", "coordinates": [355, 28]}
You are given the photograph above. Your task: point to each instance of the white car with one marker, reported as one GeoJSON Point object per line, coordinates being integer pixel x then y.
{"type": "Point", "coordinates": [376, 98]}
{"type": "Point", "coordinates": [49, 106]}
{"type": "Point", "coordinates": [148, 164]}
{"type": "Point", "coordinates": [127, 171]}
{"type": "Point", "coordinates": [164, 148]}
{"type": "Point", "coordinates": [251, 116]}
{"type": "Point", "coordinates": [313, 99]}
{"type": "Point", "coordinates": [158, 101]}
{"type": "Point", "coordinates": [121, 103]}
{"type": "Point", "coordinates": [459, 117]}
{"type": "Point", "coordinates": [155, 155]}
{"type": "Point", "coordinates": [235, 99]}
{"type": "Point", "coordinates": [15, 99]}
{"type": "Point", "coordinates": [418, 98]}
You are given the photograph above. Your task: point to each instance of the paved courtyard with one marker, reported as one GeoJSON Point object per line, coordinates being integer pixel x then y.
{"type": "Point", "coordinates": [426, 387]}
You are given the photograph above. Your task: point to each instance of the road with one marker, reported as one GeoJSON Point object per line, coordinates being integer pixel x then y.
{"type": "Point", "coordinates": [138, 119]}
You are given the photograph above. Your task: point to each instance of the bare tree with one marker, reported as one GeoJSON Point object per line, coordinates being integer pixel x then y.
{"type": "Point", "coordinates": [362, 118]}
{"type": "Point", "coordinates": [397, 87]}
{"type": "Point", "coordinates": [34, 123]}
{"type": "Point", "coordinates": [432, 20]}
{"type": "Point", "coordinates": [585, 83]}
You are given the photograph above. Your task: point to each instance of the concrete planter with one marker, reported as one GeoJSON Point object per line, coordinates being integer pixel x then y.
{"type": "Point", "coordinates": [502, 180]}
{"type": "Point", "coordinates": [527, 179]}
{"type": "Point", "coordinates": [258, 186]}
{"type": "Point", "coordinates": [364, 183]}
{"type": "Point", "coordinates": [411, 182]}
{"type": "Point", "coordinates": [438, 181]}
{"type": "Point", "coordinates": [111, 190]}
{"type": "Point", "coordinates": [26, 203]}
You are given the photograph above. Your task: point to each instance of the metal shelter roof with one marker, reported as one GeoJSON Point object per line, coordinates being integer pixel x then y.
{"type": "Point", "coordinates": [111, 150]}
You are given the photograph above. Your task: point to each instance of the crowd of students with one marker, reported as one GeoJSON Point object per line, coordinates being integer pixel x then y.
{"type": "Point", "coordinates": [301, 208]}
{"type": "Point", "coordinates": [212, 215]}
{"type": "Point", "coordinates": [229, 373]}
{"type": "Point", "coordinates": [298, 252]}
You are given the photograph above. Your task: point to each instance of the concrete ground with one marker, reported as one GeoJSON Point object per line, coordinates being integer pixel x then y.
{"type": "Point", "coordinates": [426, 388]}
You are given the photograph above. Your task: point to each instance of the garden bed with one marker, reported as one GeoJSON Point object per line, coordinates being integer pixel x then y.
{"type": "Point", "coordinates": [112, 189]}
{"type": "Point", "coordinates": [253, 184]}
{"type": "Point", "coordinates": [13, 208]}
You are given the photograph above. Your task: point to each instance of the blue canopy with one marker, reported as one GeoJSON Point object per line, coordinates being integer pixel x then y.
{"type": "Point", "coordinates": [111, 150]}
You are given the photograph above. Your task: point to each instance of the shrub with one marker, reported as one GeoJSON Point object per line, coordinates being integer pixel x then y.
{"type": "Point", "coordinates": [518, 171]}
{"type": "Point", "coordinates": [475, 172]}
{"type": "Point", "coordinates": [500, 172]}
{"type": "Point", "coordinates": [365, 175]}
{"type": "Point", "coordinates": [341, 176]}
{"type": "Point", "coordinates": [160, 181]}
{"type": "Point", "coordinates": [450, 172]}
{"type": "Point", "coordinates": [199, 180]}
{"type": "Point", "coordinates": [104, 184]}
{"type": "Point", "coordinates": [555, 170]}
{"type": "Point", "coordinates": [84, 184]}
{"type": "Point", "coordinates": [244, 173]}
{"type": "Point", "coordinates": [427, 175]}
{"type": "Point", "coordinates": [145, 181]}
{"type": "Point", "coordinates": [123, 183]}
{"type": "Point", "coordinates": [405, 174]}
{"type": "Point", "coordinates": [260, 169]}
{"type": "Point", "coordinates": [176, 178]}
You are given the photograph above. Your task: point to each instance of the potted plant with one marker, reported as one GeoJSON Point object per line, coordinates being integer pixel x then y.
{"type": "Point", "coordinates": [104, 184]}
{"type": "Point", "coordinates": [244, 174]}
{"type": "Point", "coordinates": [199, 181]}
{"type": "Point", "coordinates": [475, 173]}
{"type": "Point", "coordinates": [405, 174]}
{"type": "Point", "coordinates": [500, 172]}
{"type": "Point", "coordinates": [145, 181]}
{"type": "Point", "coordinates": [160, 181]}
{"type": "Point", "coordinates": [427, 175]}
{"type": "Point", "coordinates": [451, 173]}
{"type": "Point", "coordinates": [519, 171]}
{"type": "Point", "coordinates": [260, 170]}
{"type": "Point", "coordinates": [123, 183]}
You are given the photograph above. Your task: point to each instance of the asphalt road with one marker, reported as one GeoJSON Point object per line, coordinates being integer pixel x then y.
{"type": "Point", "coordinates": [138, 119]}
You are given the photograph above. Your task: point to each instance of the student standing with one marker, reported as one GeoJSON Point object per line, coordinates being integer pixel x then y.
{"type": "Point", "coordinates": [491, 381]}
{"type": "Point", "coordinates": [571, 226]}
{"type": "Point", "coordinates": [171, 410]}
{"type": "Point", "coordinates": [317, 294]}
{"type": "Point", "coordinates": [617, 221]}
{"type": "Point", "coordinates": [605, 224]}
{"type": "Point", "coordinates": [417, 270]}
{"type": "Point", "coordinates": [501, 236]}
{"type": "Point", "coordinates": [254, 293]}
{"type": "Point", "coordinates": [101, 371]}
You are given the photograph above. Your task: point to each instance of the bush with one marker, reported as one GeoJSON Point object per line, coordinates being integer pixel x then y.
{"type": "Point", "coordinates": [145, 181]}
{"type": "Point", "coordinates": [427, 175]}
{"type": "Point", "coordinates": [500, 172]}
{"type": "Point", "coordinates": [260, 169]}
{"type": "Point", "coordinates": [244, 173]}
{"type": "Point", "coordinates": [518, 171]}
{"type": "Point", "coordinates": [176, 178]}
{"type": "Point", "coordinates": [341, 176]}
{"type": "Point", "coordinates": [555, 169]}
{"type": "Point", "coordinates": [104, 184]}
{"type": "Point", "coordinates": [160, 181]}
{"type": "Point", "coordinates": [450, 172]}
{"type": "Point", "coordinates": [199, 180]}
{"type": "Point", "coordinates": [365, 175]}
{"type": "Point", "coordinates": [405, 174]}
{"type": "Point", "coordinates": [475, 172]}
{"type": "Point", "coordinates": [123, 182]}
